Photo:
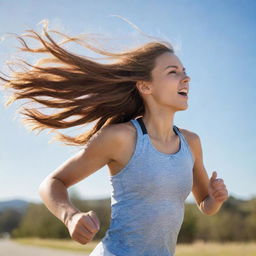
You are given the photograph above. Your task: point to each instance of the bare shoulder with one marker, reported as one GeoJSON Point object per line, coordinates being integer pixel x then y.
{"type": "Point", "coordinates": [123, 134]}
{"type": "Point", "coordinates": [189, 134]}
{"type": "Point", "coordinates": [120, 131]}
{"type": "Point", "coordinates": [193, 140]}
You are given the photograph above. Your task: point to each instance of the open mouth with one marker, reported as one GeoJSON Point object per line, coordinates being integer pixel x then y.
{"type": "Point", "coordinates": [183, 94]}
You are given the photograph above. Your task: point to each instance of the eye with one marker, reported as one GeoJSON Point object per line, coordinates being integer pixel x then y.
{"type": "Point", "coordinates": [173, 71]}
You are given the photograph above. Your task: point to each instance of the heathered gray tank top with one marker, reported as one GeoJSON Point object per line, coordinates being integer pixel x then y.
{"type": "Point", "coordinates": [147, 198]}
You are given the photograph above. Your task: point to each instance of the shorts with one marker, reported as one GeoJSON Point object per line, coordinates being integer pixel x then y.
{"type": "Point", "coordinates": [100, 250]}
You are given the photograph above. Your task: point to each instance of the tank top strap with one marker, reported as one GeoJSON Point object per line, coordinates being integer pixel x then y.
{"type": "Point", "coordinates": [179, 133]}
{"type": "Point", "coordinates": [176, 130]}
{"type": "Point", "coordinates": [140, 127]}
{"type": "Point", "coordinates": [184, 140]}
{"type": "Point", "coordinates": [144, 130]}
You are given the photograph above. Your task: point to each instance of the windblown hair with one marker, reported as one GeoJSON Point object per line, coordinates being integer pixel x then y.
{"type": "Point", "coordinates": [93, 91]}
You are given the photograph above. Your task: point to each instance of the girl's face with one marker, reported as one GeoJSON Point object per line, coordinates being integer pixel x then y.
{"type": "Point", "coordinates": [168, 80]}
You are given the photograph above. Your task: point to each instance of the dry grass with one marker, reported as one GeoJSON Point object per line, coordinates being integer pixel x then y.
{"type": "Point", "coordinates": [201, 248]}
{"type": "Point", "coordinates": [198, 248]}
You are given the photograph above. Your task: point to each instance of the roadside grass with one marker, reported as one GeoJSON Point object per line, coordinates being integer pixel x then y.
{"type": "Point", "coordinates": [198, 248]}
{"type": "Point", "coordinates": [61, 244]}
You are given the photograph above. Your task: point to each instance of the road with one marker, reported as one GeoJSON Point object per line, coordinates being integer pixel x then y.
{"type": "Point", "coordinates": [10, 248]}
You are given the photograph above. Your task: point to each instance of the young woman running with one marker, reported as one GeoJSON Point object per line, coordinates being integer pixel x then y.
{"type": "Point", "coordinates": [153, 164]}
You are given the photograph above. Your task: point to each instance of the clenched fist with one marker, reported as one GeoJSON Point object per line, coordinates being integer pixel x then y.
{"type": "Point", "coordinates": [83, 226]}
{"type": "Point", "coordinates": [217, 189]}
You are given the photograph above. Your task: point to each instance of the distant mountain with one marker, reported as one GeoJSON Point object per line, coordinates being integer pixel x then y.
{"type": "Point", "coordinates": [19, 205]}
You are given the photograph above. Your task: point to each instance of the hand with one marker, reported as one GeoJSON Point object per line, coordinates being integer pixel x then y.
{"type": "Point", "coordinates": [217, 189]}
{"type": "Point", "coordinates": [83, 227]}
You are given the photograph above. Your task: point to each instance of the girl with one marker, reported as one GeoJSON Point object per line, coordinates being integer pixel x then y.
{"type": "Point", "coordinates": [153, 164]}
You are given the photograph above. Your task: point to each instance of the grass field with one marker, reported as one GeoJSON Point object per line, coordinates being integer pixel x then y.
{"type": "Point", "coordinates": [196, 249]}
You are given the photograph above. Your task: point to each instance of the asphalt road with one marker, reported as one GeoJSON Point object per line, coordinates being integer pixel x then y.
{"type": "Point", "coordinates": [10, 248]}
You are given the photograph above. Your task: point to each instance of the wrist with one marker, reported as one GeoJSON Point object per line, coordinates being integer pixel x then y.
{"type": "Point", "coordinates": [210, 206]}
{"type": "Point", "coordinates": [68, 215]}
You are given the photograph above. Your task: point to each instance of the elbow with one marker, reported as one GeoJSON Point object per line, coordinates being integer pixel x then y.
{"type": "Point", "coordinates": [43, 186]}
{"type": "Point", "coordinates": [46, 185]}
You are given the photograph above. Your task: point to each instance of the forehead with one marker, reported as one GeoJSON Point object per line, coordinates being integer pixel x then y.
{"type": "Point", "coordinates": [166, 59]}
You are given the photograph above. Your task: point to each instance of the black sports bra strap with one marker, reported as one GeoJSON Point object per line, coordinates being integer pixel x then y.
{"type": "Point", "coordinates": [175, 128]}
{"type": "Point", "coordinates": [144, 130]}
{"type": "Point", "coordinates": [142, 126]}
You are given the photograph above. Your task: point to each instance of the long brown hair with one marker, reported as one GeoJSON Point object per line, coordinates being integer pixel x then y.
{"type": "Point", "coordinates": [93, 91]}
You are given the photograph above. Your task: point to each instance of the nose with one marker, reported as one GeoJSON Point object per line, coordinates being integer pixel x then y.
{"type": "Point", "coordinates": [186, 78]}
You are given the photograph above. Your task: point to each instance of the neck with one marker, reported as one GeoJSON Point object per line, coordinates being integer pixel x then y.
{"type": "Point", "coordinates": [159, 127]}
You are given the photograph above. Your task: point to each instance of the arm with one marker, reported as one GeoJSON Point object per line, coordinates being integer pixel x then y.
{"type": "Point", "coordinates": [99, 151]}
{"type": "Point", "coordinates": [209, 193]}
{"type": "Point", "coordinates": [54, 194]}
{"type": "Point", "coordinates": [209, 206]}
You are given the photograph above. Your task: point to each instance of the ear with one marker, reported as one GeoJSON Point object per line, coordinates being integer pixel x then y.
{"type": "Point", "coordinates": [143, 87]}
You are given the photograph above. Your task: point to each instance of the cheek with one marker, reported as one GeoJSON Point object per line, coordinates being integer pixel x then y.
{"type": "Point", "coordinates": [165, 89]}
{"type": "Point", "coordinates": [170, 84]}
{"type": "Point", "coordinates": [165, 95]}
{"type": "Point", "coordinates": [168, 90]}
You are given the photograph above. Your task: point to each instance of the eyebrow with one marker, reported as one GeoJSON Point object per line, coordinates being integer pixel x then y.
{"type": "Point", "coordinates": [173, 66]}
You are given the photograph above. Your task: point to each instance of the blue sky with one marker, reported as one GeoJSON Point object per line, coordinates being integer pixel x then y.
{"type": "Point", "coordinates": [215, 41]}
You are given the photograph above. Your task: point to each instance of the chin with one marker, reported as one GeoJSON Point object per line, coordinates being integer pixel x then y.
{"type": "Point", "coordinates": [182, 108]}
